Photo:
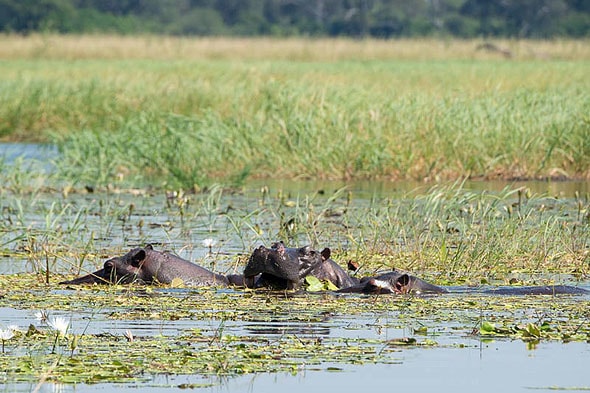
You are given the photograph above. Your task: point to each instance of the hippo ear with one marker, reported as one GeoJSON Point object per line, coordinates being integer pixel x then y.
{"type": "Point", "coordinates": [277, 244]}
{"type": "Point", "coordinates": [149, 247]}
{"type": "Point", "coordinates": [138, 257]}
{"type": "Point", "coordinates": [401, 284]}
{"type": "Point", "coordinates": [326, 253]}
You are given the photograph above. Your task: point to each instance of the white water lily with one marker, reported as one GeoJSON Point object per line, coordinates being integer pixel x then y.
{"type": "Point", "coordinates": [58, 323]}
{"type": "Point", "coordinates": [6, 334]}
{"type": "Point", "coordinates": [41, 316]}
{"type": "Point", "coordinates": [208, 243]}
{"type": "Point", "coordinates": [14, 328]}
{"type": "Point", "coordinates": [128, 335]}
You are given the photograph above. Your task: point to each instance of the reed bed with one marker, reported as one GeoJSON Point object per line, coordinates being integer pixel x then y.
{"type": "Point", "coordinates": [75, 47]}
{"type": "Point", "coordinates": [182, 121]}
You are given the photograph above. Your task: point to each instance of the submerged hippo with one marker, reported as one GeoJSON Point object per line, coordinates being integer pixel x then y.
{"type": "Point", "coordinates": [403, 283]}
{"type": "Point", "coordinates": [393, 282]}
{"type": "Point", "coordinates": [330, 270]}
{"type": "Point", "coordinates": [280, 267]}
{"type": "Point", "coordinates": [148, 266]}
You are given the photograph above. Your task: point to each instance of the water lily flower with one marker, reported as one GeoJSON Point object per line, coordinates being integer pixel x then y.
{"type": "Point", "coordinates": [208, 243]}
{"type": "Point", "coordinates": [14, 328]}
{"type": "Point", "coordinates": [128, 335]}
{"type": "Point", "coordinates": [41, 316]}
{"type": "Point", "coordinates": [5, 334]}
{"type": "Point", "coordinates": [60, 324]}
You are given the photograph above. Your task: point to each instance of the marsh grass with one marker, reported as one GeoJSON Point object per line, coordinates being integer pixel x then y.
{"type": "Point", "coordinates": [447, 232]}
{"type": "Point", "coordinates": [49, 46]}
{"type": "Point", "coordinates": [201, 113]}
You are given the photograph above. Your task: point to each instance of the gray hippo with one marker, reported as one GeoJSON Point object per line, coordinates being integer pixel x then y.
{"type": "Point", "coordinates": [280, 267]}
{"type": "Point", "coordinates": [148, 266]}
{"type": "Point", "coordinates": [403, 283]}
{"type": "Point", "coordinates": [330, 270]}
{"type": "Point", "coordinates": [393, 282]}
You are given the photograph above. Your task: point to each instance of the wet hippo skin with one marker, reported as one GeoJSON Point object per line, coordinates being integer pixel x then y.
{"type": "Point", "coordinates": [148, 266]}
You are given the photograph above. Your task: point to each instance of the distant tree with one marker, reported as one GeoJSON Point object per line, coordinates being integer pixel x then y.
{"type": "Point", "coordinates": [24, 16]}
{"type": "Point", "coordinates": [199, 21]}
{"type": "Point", "coordinates": [357, 18]}
{"type": "Point", "coordinates": [532, 18]}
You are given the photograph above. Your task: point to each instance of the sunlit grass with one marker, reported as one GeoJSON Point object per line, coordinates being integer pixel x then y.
{"type": "Point", "coordinates": [446, 233]}
{"type": "Point", "coordinates": [369, 110]}
{"type": "Point", "coordinates": [300, 49]}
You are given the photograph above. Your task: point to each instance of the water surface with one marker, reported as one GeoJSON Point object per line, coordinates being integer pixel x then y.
{"type": "Point", "coordinates": [103, 224]}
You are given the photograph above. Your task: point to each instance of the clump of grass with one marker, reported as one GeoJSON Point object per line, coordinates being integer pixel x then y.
{"type": "Point", "coordinates": [294, 137]}
{"type": "Point", "coordinates": [185, 121]}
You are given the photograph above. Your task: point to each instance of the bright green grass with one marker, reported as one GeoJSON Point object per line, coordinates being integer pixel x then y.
{"type": "Point", "coordinates": [190, 122]}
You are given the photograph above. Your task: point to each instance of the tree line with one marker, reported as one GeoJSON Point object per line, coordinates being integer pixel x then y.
{"type": "Point", "coordinates": [315, 18]}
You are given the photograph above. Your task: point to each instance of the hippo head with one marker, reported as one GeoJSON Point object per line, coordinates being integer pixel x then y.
{"type": "Point", "coordinates": [119, 270]}
{"type": "Point", "coordinates": [398, 284]}
{"type": "Point", "coordinates": [284, 264]}
{"type": "Point", "coordinates": [127, 268]}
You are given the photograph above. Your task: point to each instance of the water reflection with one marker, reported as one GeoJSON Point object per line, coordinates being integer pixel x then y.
{"type": "Point", "coordinates": [492, 367]}
{"type": "Point", "coordinates": [384, 188]}
{"type": "Point", "coordinates": [282, 329]}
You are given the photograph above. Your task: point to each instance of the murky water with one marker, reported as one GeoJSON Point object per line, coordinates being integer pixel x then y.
{"type": "Point", "coordinates": [494, 367]}
{"type": "Point", "coordinates": [460, 362]}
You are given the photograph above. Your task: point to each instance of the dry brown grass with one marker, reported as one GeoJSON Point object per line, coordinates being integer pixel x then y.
{"type": "Point", "coordinates": [156, 47]}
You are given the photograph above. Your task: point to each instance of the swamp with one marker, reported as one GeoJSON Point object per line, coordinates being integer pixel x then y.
{"type": "Point", "coordinates": [465, 169]}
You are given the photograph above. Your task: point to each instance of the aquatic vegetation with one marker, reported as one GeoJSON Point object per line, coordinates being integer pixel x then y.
{"type": "Point", "coordinates": [229, 333]}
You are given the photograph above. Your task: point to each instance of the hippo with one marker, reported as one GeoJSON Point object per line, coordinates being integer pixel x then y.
{"type": "Point", "coordinates": [330, 270]}
{"type": "Point", "coordinates": [148, 266]}
{"type": "Point", "coordinates": [403, 283]}
{"type": "Point", "coordinates": [393, 282]}
{"type": "Point", "coordinates": [280, 267]}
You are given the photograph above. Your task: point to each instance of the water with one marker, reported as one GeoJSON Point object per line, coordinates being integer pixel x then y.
{"type": "Point", "coordinates": [495, 367]}
{"type": "Point", "coordinates": [32, 154]}
{"type": "Point", "coordinates": [459, 362]}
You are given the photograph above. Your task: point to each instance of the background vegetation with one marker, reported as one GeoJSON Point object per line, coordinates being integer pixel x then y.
{"type": "Point", "coordinates": [186, 112]}
{"type": "Point", "coordinates": [357, 18]}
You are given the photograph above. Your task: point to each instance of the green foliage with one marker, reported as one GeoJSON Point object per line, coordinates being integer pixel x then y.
{"type": "Point", "coordinates": [384, 19]}
{"type": "Point", "coordinates": [194, 125]}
